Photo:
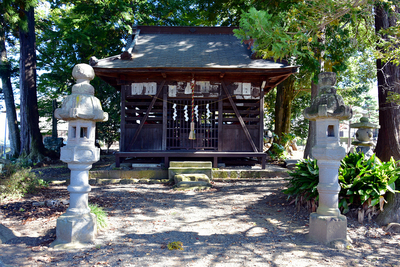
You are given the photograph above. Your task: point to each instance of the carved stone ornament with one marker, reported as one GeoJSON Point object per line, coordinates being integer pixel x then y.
{"type": "Point", "coordinates": [328, 104]}
{"type": "Point", "coordinates": [82, 104]}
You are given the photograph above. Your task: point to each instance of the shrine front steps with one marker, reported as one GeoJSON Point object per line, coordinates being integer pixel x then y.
{"type": "Point", "coordinates": [160, 175]}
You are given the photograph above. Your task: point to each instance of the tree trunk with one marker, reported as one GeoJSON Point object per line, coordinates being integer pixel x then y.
{"type": "Point", "coordinates": [312, 127]}
{"type": "Point", "coordinates": [31, 138]}
{"type": "Point", "coordinates": [391, 212]}
{"type": "Point", "coordinates": [389, 117]}
{"type": "Point", "coordinates": [5, 73]}
{"type": "Point", "coordinates": [283, 108]}
{"type": "Point", "coordinates": [388, 81]}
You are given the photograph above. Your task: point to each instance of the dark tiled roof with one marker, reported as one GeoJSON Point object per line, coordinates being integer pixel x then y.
{"type": "Point", "coordinates": [210, 51]}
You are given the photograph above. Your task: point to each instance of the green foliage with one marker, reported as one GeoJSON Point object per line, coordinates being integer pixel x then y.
{"type": "Point", "coordinates": [363, 182]}
{"type": "Point", "coordinates": [278, 152]}
{"type": "Point", "coordinates": [16, 181]}
{"type": "Point", "coordinates": [302, 185]}
{"type": "Point", "coordinates": [102, 221]}
{"type": "Point", "coordinates": [178, 245]}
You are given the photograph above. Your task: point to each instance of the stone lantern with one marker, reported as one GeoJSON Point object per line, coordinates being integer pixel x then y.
{"type": "Point", "coordinates": [364, 135]}
{"type": "Point", "coordinates": [81, 110]}
{"type": "Point", "coordinates": [327, 224]}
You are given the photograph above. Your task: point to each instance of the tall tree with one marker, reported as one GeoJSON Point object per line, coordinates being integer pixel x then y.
{"type": "Point", "coordinates": [313, 34]}
{"type": "Point", "coordinates": [389, 114]}
{"type": "Point", "coordinates": [5, 73]}
{"type": "Point", "coordinates": [388, 74]}
{"type": "Point", "coordinates": [31, 138]}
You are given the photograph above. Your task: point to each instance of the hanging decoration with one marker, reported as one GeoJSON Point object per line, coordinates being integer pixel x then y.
{"type": "Point", "coordinates": [196, 112]}
{"type": "Point", "coordinates": [174, 114]}
{"type": "Point", "coordinates": [192, 132]}
{"type": "Point", "coordinates": [208, 114]}
{"type": "Point", "coordinates": [185, 109]}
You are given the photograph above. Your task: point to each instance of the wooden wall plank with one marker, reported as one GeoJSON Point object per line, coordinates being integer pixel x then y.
{"type": "Point", "coordinates": [239, 117]}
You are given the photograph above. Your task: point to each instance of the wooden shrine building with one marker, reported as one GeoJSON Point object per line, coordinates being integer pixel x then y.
{"type": "Point", "coordinates": [170, 77]}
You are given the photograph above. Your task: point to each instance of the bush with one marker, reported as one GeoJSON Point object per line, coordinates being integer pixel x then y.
{"type": "Point", "coordinates": [16, 181]}
{"type": "Point", "coordinates": [303, 183]}
{"type": "Point", "coordinates": [363, 182]}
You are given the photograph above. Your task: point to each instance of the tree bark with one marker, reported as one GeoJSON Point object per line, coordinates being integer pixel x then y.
{"type": "Point", "coordinates": [388, 81]}
{"type": "Point", "coordinates": [283, 108]}
{"type": "Point", "coordinates": [312, 127]}
{"type": "Point", "coordinates": [389, 117]}
{"type": "Point", "coordinates": [5, 73]}
{"type": "Point", "coordinates": [31, 138]}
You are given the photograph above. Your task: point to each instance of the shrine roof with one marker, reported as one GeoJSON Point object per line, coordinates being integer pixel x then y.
{"type": "Point", "coordinates": [172, 50]}
{"type": "Point", "coordinates": [188, 47]}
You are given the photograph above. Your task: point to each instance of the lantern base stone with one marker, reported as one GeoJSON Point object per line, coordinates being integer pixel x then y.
{"type": "Point", "coordinates": [75, 231]}
{"type": "Point", "coordinates": [325, 229]}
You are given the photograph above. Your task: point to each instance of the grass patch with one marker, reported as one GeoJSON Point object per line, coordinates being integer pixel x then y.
{"type": "Point", "coordinates": [102, 221]}
{"type": "Point", "coordinates": [16, 181]}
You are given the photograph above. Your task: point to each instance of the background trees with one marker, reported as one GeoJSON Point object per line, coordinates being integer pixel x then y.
{"type": "Point", "coordinates": [316, 35]}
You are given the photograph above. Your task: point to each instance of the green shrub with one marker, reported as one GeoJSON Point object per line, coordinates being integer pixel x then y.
{"type": "Point", "coordinates": [302, 185]}
{"type": "Point", "coordinates": [16, 181]}
{"type": "Point", "coordinates": [363, 182]}
{"type": "Point", "coordinates": [102, 221]}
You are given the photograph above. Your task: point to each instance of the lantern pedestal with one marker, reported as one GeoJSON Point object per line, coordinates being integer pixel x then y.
{"type": "Point", "coordinates": [324, 229]}
{"type": "Point", "coordinates": [75, 230]}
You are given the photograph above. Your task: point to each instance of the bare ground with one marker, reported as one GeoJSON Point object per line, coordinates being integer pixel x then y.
{"type": "Point", "coordinates": [245, 223]}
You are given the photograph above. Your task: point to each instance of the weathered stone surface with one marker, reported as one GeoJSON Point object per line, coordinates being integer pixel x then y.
{"type": "Point", "coordinates": [82, 104]}
{"type": "Point", "coordinates": [172, 171]}
{"type": "Point", "coordinates": [195, 177]}
{"type": "Point", "coordinates": [325, 229]}
{"type": "Point", "coordinates": [190, 164]}
{"type": "Point", "coordinates": [75, 229]}
{"type": "Point", "coordinates": [327, 104]}
{"type": "Point", "coordinates": [192, 185]}
{"type": "Point", "coordinates": [6, 234]}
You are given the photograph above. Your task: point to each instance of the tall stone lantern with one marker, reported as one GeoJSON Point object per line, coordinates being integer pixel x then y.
{"type": "Point", "coordinates": [327, 224]}
{"type": "Point", "coordinates": [81, 110]}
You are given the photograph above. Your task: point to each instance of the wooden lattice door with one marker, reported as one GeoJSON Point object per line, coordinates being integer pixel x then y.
{"type": "Point", "coordinates": [206, 126]}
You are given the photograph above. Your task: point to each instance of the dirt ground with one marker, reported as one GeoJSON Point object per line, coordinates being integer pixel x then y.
{"type": "Point", "coordinates": [243, 223]}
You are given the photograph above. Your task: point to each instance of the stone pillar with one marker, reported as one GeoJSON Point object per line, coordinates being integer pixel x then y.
{"type": "Point", "coordinates": [77, 227]}
{"type": "Point", "coordinates": [327, 224]}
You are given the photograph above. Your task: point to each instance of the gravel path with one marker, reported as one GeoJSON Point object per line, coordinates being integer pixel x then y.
{"type": "Point", "coordinates": [243, 223]}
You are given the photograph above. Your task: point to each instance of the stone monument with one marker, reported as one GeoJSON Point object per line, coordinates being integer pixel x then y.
{"type": "Point", "coordinates": [327, 224]}
{"type": "Point", "coordinates": [363, 135]}
{"type": "Point", "coordinates": [77, 227]}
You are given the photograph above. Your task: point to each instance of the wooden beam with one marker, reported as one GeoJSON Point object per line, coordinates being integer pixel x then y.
{"type": "Point", "coordinates": [220, 111]}
{"type": "Point", "coordinates": [246, 131]}
{"type": "Point", "coordinates": [122, 125]}
{"type": "Point", "coordinates": [261, 137]}
{"type": "Point", "coordinates": [165, 120]}
{"type": "Point", "coordinates": [160, 88]}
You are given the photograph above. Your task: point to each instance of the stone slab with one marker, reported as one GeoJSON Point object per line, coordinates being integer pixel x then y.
{"type": "Point", "coordinates": [172, 171]}
{"type": "Point", "coordinates": [325, 229]}
{"type": "Point", "coordinates": [195, 177]}
{"type": "Point", "coordinates": [189, 185]}
{"type": "Point", "coordinates": [190, 164]}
